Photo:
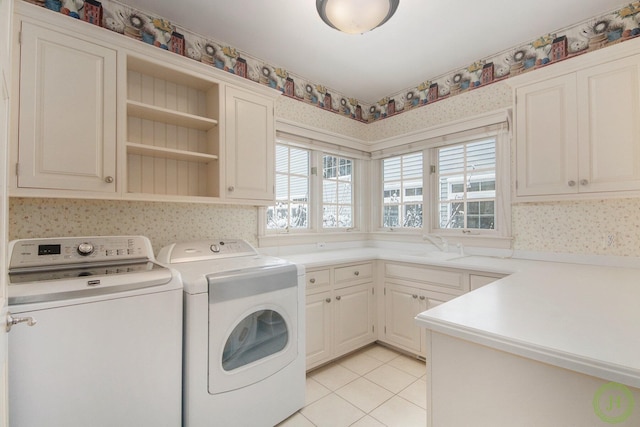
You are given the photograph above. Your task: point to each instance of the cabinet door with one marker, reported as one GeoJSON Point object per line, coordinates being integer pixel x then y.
{"type": "Point", "coordinates": [250, 140]}
{"type": "Point", "coordinates": [67, 124]}
{"type": "Point", "coordinates": [402, 305]}
{"type": "Point", "coordinates": [353, 317]}
{"type": "Point", "coordinates": [546, 137]}
{"type": "Point", "coordinates": [609, 129]}
{"type": "Point", "coordinates": [318, 328]}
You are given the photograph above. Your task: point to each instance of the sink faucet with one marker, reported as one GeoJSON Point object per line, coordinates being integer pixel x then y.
{"type": "Point", "coordinates": [443, 245]}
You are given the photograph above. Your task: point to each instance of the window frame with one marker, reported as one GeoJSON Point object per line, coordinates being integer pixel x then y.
{"type": "Point", "coordinates": [434, 183]}
{"type": "Point", "coordinates": [489, 238]}
{"type": "Point", "coordinates": [316, 202]}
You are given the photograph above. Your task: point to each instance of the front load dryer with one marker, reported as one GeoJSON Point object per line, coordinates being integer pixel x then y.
{"type": "Point", "coordinates": [244, 357]}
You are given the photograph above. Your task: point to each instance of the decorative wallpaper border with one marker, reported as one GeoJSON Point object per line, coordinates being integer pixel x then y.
{"type": "Point", "coordinates": [596, 33]}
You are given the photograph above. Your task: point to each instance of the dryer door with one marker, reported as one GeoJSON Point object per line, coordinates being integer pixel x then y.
{"type": "Point", "coordinates": [253, 326]}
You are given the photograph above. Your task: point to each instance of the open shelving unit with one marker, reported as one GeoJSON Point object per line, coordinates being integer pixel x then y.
{"type": "Point", "coordinates": [173, 137]}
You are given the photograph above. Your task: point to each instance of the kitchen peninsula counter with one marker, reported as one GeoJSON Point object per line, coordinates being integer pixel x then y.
{"type": "Point", "coordinates": [575, 316]}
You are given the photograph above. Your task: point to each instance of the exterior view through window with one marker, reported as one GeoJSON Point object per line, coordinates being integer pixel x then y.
{"type": "Point", "coordinates": [337, 192]}
{"type": "Point", "coordinates": [467, 185]}
{"type": "Point", "coordinates": [402, 182]}
{"type": "Point", "coordinates": [291, 210]}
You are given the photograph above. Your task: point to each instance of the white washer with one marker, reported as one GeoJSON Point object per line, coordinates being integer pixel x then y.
{"type": "Point", "coordinates": [244, 361]}
{"type": "Point", "coordinates": [107, 346]}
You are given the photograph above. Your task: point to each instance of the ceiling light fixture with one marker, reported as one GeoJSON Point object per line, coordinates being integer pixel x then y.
{"type": "Point", "coordinates": [356, 16]}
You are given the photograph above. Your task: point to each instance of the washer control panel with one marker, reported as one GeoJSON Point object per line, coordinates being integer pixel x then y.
{"type": "Point", "coordinates": [73, 250]}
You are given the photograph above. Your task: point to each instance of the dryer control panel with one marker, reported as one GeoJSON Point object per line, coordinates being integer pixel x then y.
{"type": "Point", "coordinates": [205, 250]}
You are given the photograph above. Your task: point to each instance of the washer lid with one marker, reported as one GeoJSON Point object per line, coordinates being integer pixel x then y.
{"type": "Point", "coordinates": [31, 286]}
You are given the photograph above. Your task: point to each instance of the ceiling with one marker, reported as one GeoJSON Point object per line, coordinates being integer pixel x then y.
{"type": "Point", "coordinates": [423, 40]}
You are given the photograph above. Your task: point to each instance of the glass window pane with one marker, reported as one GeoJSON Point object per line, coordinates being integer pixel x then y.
{"type": "Point", "coordinates": [298, 215]}
{"type": "Point", "coordinates": [329, 217]}
{"type": "Point", "coordinates": [329, 192]}
{"type": "Point", "coordinates": [282, 158]}
{"type": "Point", "coordinates": [282, 187]}
{"type": "Point", "coordinates": [391, 169]}
{"type": "Point", "coordinates": [278, 216]}
{"type": "Point", "coordinates": [391, 216]}
{"type": "Point", "coordinates": [329, 169]}
{"type": "Point", "coordinates": [299, 189]}
{"type": "Point", "coordinates": [481, 155]}
{"type": "Point", "coordinates": [452, 215]}
{"type": "Point", "coordinates": [345, 191]}
{"type": "Point", "coordinates": [345, 217]}
{"type": "Point", "coordinates": [451, 160]}
{"type": "Point", "coordinates": [299, 162]}
{"type": "Point", "coordinates": [413, 216]}
{"type": "Point", "coordinates": [412, 166]}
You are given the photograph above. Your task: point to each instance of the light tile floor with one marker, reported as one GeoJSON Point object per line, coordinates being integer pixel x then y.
{"type": "Point", "coordinates": [374, 387]}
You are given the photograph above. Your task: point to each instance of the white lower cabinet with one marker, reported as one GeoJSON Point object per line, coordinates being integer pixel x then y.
{"type": "Point", "coordinates": [347, 308]}
{"type": "Point", "coordinates": [402, 304]}
{"type": "Point", "coordinates": [340, 315]}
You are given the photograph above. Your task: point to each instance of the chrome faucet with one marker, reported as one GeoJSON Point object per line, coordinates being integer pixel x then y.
{"type": "Point", "coordinates": [443, 245]}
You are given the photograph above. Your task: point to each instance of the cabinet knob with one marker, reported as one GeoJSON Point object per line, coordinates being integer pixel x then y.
{"type": "Point", "coordinates": [584, 181]}
{"type": "Point", "coordinates": [422, 297]}
{"type": "Point", "coordinates": [338, 298]}
{"type": "Point", "coordinates": [571, 183]}
{"type": "Point", "coordinates": [414, 296]}
{"type": "Point", "coordinates": [328, 300]}
{"type": "Point", "coordinates": [231, 188]}
{"type": "Point", "coordinates": [312, 280]}
{"type": "Point", "coordinates": [356, 273]}
{"type": "Point", "coordinates": [108, 179]}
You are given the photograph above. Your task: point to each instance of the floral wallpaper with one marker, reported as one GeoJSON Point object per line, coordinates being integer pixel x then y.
{"type": "Point", "coordinates": [163, 223]}
{"type": "Point", "coordinates": [614, 27]}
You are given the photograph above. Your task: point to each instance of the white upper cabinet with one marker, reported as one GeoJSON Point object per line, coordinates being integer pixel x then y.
{"type": "Point", "coordinates": [546, 137]}
{"type": "Point", "coordinates": [578, 134]}
{"type": "Point", "coordinates": [177, 129]}
{"type": "Point", "coordinates": [609, 126]}
{"type": "Point", "coordinates": [67, 133]}
{"type": "Point", "coordinates": [250, 146]}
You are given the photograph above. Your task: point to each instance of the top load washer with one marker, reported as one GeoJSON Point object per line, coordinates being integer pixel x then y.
{"type": "Point", "coordinates": [105, 348]}
{"type": "Point", "coordinates": [244, 357]}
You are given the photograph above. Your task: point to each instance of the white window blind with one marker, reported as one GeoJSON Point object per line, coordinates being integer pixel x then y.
{"type": "Point", "coordinates": [466, 179]}
{"type": "Point", "coordinates": [402, 186]}
{"type": "Point", "coordinates": [291, 210]}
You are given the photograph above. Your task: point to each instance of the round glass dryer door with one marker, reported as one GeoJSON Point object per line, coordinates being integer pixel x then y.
{"type": "Point", "coordinates": [257, 336]}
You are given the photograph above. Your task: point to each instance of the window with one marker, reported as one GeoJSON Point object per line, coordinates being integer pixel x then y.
{"type": "Point", "coordinates": [402, 184]}
{"type": "Point", "coordinates": [291, 210]}
{"type": "Point", "coordinates": [466, 180]}
{"type": "Point", "coordinates": [337, 192]}
{"type": "Point", "coordinates": [315, 191]}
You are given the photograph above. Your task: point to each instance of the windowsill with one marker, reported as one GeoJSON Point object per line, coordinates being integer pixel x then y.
{"type": "Point", "coordinates": [317, 240]}
{"type": "Point", "coordinates": [288, 239]}
{"type": "Point", "coordinates": [477, 240]}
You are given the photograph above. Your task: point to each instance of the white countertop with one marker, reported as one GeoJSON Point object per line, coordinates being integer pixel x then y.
{"type": "Point", "coordinates": [581, 317]}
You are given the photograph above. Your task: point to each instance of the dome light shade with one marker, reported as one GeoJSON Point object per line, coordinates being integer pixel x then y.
{"type": "Point", "coordinates": [356, 16]}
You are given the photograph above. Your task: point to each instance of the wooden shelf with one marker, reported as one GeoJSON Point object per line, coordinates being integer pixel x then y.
{"type": "Point", "coordinates": [169, 153]}
{"type": "Point", "coordinates": [164, 115]}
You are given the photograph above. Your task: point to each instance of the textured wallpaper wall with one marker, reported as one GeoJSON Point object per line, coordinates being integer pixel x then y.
{"type": "Point", "coordinates": [162, 223]}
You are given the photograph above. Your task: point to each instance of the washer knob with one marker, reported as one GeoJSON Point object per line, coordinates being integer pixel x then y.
{"type": "Point", "coordinates": [85, 249]}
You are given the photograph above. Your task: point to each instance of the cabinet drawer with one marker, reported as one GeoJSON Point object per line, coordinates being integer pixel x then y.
{"type": "Point", "coordinates": [444, 278]}
{"type": "Point", "coordinates": [353, 273]}
{"type": "Point", "coordinates": [317, 279]}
